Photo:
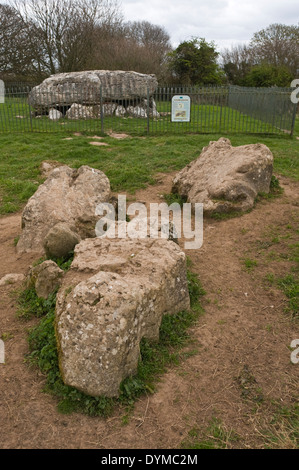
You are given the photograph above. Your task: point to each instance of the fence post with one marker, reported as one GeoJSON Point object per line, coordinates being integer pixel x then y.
{"type": "Point", "coordinates": [294, 119]}
{"type": "Point", "coordinates": [148, 111]}
{"type": "Point", "coordinates": [30, 112]}
{"type": "Point", "coordinates": [102, 112]}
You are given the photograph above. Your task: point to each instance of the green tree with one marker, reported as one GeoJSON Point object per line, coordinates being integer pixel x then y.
{"type": "Point", "coordinates": [266, 75]}
{"type": "Point", "coordinates": [194, 62]}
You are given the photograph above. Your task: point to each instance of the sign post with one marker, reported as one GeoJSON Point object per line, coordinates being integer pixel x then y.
{"type": "Point", "coordinates": [180, 108]}
{"type": "Point", "coordinates": [2, 92]}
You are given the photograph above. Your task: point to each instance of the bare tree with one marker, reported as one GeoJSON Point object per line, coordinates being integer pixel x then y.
{"type": "Point", "coordinates": [237, 62]}
{"type": "Point", "coordinates": [64, 29]}
{"type": "Point", "coordinates": [139, 46]}
{"type": "Point", "coordinates": [153, 42]}
{"type": "Point", "coordinates": [278, 45]}
{"type": "Point", "coordinates": [73, 35]}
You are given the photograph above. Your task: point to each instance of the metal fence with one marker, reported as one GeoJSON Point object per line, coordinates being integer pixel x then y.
{"type": "Point", "coordinates": [213, 109]}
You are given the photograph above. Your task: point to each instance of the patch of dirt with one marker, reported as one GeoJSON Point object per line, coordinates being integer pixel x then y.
{"type": "Point", "coordinates": [99, 144]}
{"type": "Point", "coordinates": [242, 361]}
{"type": "Point", "coordinates": [115, 135]}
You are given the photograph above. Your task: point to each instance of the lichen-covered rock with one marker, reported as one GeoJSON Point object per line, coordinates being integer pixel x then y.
{"type": "Point", "coordinates": [115, 293]}
{"type": "Point", "coordinates": [78, 111]}
{"type": "Point", "coordinates": [84, 87]}
{"type": "Point", "coordinates": [137, 111]}
{"type": "Point", "coordinates": [108, 109]}
{"type": "Point", "coordinates": [55, 115]}
{"type": "Point", "coordinates": [45, 278]}
{"type": "Point", "coordinates": [120, 111]}
{"type": "Point", "coordinates": [226, 178]}
{"type": "Point", "coordinates": [11, 278]}
{"type": "Point", "coordinates": [68, 195]}
{"type": "Point", "coordinates": [47, 166]}
{"type": "Point", "coordinates": [60, 240]}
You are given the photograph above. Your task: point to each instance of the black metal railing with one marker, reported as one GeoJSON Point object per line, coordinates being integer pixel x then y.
{"type": "Point", "coordinates": [213, 109]}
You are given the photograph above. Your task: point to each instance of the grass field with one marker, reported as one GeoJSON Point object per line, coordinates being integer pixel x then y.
{"type": "Point", "coordinates": [130, 163]}
{"type": "Point", "coordinates": [16, 115]}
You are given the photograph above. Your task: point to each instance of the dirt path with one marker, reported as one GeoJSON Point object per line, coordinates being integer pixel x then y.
{"type": "Point", "coordinates": [242, 365]}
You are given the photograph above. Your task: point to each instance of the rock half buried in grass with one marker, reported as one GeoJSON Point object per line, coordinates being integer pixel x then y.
{"type": "Point", "coordinates": [226, 178]}
{"type": "Point", "coordinates": [114, 294]}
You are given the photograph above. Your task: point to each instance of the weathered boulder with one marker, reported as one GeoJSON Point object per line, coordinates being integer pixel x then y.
{"type": "Point", "coordinates": [226, 178]}
{"type": "Point", "coordinates": [120, 111]}
{"type": "Point", "coordinates": [114, 294]}
{"type": "Point", "coordinates": [55, 115]}
{"type": "Point", "coordinates": [45, 278]}
{"type": "Point", "coordinates": [47, 166]}
{"type": "Point", "coordinates": [11, 278]}
{"type": "Point", "coordinates": [137, 111]}
{"type": "Point", "coordinates": [79, 111]}
{"type": "Point", "coordinates": [64, 89]}
{"type": "Point", "coordinates": [108, 109]}
{"type": "Point", "coordinates": [60, 240]}
{"type": "Point", "coordinates": [68, 195]}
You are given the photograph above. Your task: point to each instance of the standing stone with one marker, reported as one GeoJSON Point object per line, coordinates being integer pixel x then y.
{"type": "Point", "coordinates": [55, 115]}
{"type": "Point", "coordinates": [78, 111]}
{"type": "Point", "coordinates": [137, 111]}
{"type": "Point", "coordinates": [120, 111]}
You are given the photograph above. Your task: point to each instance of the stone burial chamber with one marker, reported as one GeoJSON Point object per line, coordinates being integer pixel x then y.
{"type": "Point", "coordinates": [116, 290]}
{"type": "Point", "coordinates": [79, 95]}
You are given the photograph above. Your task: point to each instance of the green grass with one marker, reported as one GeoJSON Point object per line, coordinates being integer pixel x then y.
{"type": "Point", "coordinates": [15, 116]}
{"type": "Point", "coordinates": [29, 305]}
{"type": "Point", "coordinates": [155, 357]}
{"type": "Point", "coordinates": [249, 264]}
{"type": "Point", "coordinates": [215, 436]}
{"type": "Point", "coordinates": [282, 431]}
{"type": "Point", "coordinates": [130, 164]}
{"type": "Point", "coordinates": [290, 286]}
{"type": "Point", "coordinates": [284, 238]}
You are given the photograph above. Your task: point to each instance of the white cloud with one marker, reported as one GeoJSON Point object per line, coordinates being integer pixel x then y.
{"type": "Point", "coordinates": [226, 22]}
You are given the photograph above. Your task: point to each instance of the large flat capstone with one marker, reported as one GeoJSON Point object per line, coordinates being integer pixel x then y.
{"type": "Point", "coordinates": [91, 87]}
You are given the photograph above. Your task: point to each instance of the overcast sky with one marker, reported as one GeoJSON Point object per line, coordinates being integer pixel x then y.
{"type": "Point", "coordinates": [226, 22]}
